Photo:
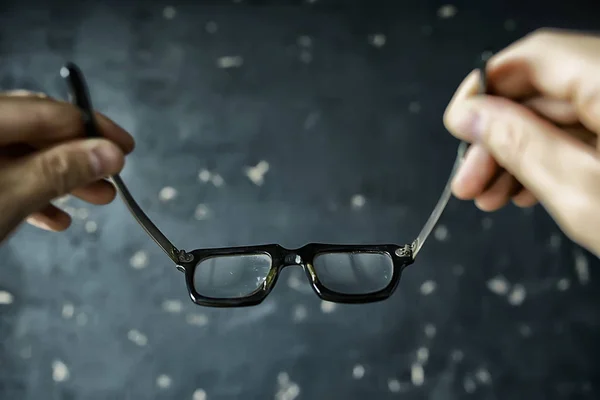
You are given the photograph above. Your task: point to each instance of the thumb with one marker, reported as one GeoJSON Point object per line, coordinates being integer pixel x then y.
{"type": "Point", "coordinates": [33, 181]}
{"type": "Point", "coordinates": [556, 167]}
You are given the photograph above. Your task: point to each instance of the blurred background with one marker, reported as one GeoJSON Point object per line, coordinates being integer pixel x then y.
{"type": "Point", "coordinates": [288, 122]}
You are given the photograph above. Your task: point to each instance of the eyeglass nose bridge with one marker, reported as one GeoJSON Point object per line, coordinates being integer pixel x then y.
{"type": "Point", "coordinates": [292, 259]}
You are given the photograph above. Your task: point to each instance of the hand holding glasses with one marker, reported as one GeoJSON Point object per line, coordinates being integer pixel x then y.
{"type": "Point", "coordinates": [244, 276]}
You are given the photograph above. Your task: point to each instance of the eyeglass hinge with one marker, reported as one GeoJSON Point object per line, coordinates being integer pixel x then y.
{"type": "Point", "coordinates": [183, 256]}
{"type": "Point", "coordinates": [405, 251]}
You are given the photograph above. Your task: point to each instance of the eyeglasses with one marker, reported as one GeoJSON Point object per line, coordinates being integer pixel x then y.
{"type": "Point", "coordinates": [244, 276]}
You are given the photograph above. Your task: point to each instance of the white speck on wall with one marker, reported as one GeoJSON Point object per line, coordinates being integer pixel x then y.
{"type": "Point", "coordinates": [358, 371]}
{"type": "Point", "coordinates": [204, 175]}
{"type": "Point", "coordinates": [422, 355]}
{"type": "Point", "coordinates": [377, 40]}
{"type": "Point", "coordinates": [457, 355]}
{"type": "Point", "coordinates": [81, 213]}
{"type": "Point", "coordinates": [26, 352]}
{"type": "Point", "coordinates": [394, 385]}
{"type": "Point", "coordinates": [139, 260]}
{"type": "Point", "coordinates": [555, 241]}
{"type": "Point", "coordinates": [563, 284]}
{"type": "Point", "coordinates": [283, 379]}
{"type": "Point", "coordinates": [525, 330]}
{"type": "Point", "coordinates": [164, 381]}
{"type": "Point", "coordinates": [428, 287]}
{"type": "Point", "coordinates": [172, 306]}
{"type": "Point", "coordinates": [90, 226]}
{"type": "Point", "coordinates": [469, 385]}
{"type": "Point", "coordinates": [137, 337]}
{"type": "Point", "coordinates": [486, 223]}
{"type": "Point", "coordinates": [68, 310]}
{"type": "Point", "coordinates": [60, 371]}
{"type": "Point", "coordinates": [417, 374]}
{"type": "Point", "coordinates": [311, 120]}
{"type": "Point", "coordinates": [6, 297]}
{"type": "Point", "coordinates": [510, 25]}
{"type": "Point", "coordinates": [287, 390]}
{"type": "Point", "coordinates": [202, 212]}
{"type": "Point", "coordinates": [169, 12]}
{"type": "Point", "coordinates": [197, 319]}
{"type": "Point", "coordinates": [230, 62]}
{"type": "Point", "coordinates": [486, 55]}
{"type": "Point", "coordinates": [306, 56]}
{"type": "Point", "coordinates": [294, 282]}
{"type": "Point", "coordinates": [483, 376]}
{"type": "Point", "coordinates": [447, 11]}
{"type": "Point", "coordinates": [582, 268]}
{"type": "Point", "coordinates": [304, 41]}
{"type": "Point", "coordinates": [458, 270]}
{"type": "Point", "coordinates": [257, 173]}
{"type": "Point", "coordinates": [441, 233]}
{"type": "Point", "coordinates": [81, 319]}
{"type": "Point", "coordinates": [211, 27]}
{"type": "Point", "coordinates": [358, 201]}
{"type": "Point", "coordinates": [498, 285]}
{"type": "Point", "coordinates": [217, 180]}
{"type": "Point", "coordinates": [327, 306]}
{"type": "Point", "coordinates": [517, 295]}
{"type": "Point", "coordinates": [300, 313]}
{"type": "Point", "coordinates": [199, 394]}
{"type": "Point", "coordinates": [430, 331]}
{"type": "Point", "coordinates": [414, 107]}
{"type": "Point", "coordinates": [167, 194]}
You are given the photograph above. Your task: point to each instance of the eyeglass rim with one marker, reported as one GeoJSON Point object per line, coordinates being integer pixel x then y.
{"type": "Point", "coordinates": [281, 258]}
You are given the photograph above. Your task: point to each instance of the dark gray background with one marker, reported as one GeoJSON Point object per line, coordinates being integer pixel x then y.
{"type": "Point", "coordinates": [103, 315]}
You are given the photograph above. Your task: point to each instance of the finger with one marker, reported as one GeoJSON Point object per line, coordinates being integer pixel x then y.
{"type": "Point", "coordinates": [544, 158]}
{"type": "Point", "coordinates": [23, 93]}
{"type": "Point", "coordinates": [524, 199]}
{"type": "Point", "coordinates": [99, 192]}
{"type": "Point", "coordinates": [468, 88]}
{"type": "Point", "coordinates": [27, 119]}
{"type": "Point", "coordinates": [562, 112]}
{"type": "Point", "coordinates": [556, 64]}
{"type": "Point", "coordinates": [31, 182]}
{"type": "Point", "coordinates": [498, 194]}
{"type": "Point", "coordinates": [50, 218]}
{"type": "Point", "coordinates": [474, 175]}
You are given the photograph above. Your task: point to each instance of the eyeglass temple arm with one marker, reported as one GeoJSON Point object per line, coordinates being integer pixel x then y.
{"type": "Point", "coordinates": [441, 204]}
{"type": "Point", "coordinates": [79, 95]}
{"type": "Point", "coordinates": [417, 244]}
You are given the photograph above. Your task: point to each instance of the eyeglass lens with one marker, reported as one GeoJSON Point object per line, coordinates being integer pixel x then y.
{"type": "Point", "coordinates": [354, 273]}
{"type": "Point", "coordinates": [232, 276]}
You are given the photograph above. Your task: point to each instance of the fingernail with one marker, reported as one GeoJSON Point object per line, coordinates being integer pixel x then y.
{"type": "Point", "coordinates": [469, 123]}
{"type": "Point", "coordinates": [104, 156]}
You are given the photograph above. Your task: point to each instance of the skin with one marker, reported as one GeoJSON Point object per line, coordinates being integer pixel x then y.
{"type": "Point", "coordinates": [536, 138]}
{"type": "Point", "coordinates": [44, 155]}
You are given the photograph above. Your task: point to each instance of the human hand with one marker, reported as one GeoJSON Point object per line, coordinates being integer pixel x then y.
{"type": "Point", "coordinates": [44, 155]}
{"type": "Point", "coordinates": [536, 138]}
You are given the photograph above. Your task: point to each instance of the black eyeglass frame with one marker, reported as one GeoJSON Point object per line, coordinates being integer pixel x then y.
{"type": "Point", "coordinates": [401, 255]}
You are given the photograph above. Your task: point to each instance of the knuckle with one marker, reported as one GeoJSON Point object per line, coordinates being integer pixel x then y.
{"type": "Point", "coordinates": [512, 142]}
{"type": "Point", "coordinates": [54, 170]}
